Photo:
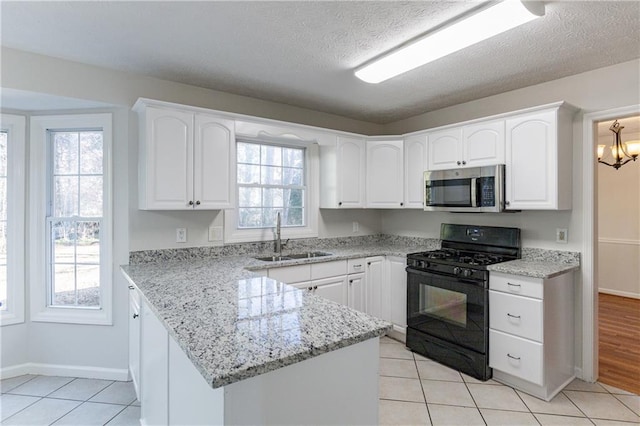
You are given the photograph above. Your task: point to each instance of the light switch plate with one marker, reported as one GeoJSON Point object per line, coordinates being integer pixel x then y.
{"type": "Point", "coordinates": [562, 235]}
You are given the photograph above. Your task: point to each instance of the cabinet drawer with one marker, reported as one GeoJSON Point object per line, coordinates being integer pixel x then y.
{"type": "Point", "coordinates": [291, 274]}
{"type": "Point", "coordinates": [522, 286]}
{"type": "Point", "coordinates": [328, 269]}
{"type": "Point", "coordinates": [516, 356]}
{"type": "Point", "coordinates": [355, 266]}
{"type": "Point", "coordinates": [521, 316]}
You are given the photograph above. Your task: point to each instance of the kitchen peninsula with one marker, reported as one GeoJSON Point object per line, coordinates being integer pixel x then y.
{"type": "Point", "coordinates": [222, 345]}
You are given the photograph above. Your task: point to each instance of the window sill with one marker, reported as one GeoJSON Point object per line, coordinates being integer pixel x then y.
{"type": "Point", "coordinates": [73, 316]}
{"type": "Point", "coordinates": [10, 318]}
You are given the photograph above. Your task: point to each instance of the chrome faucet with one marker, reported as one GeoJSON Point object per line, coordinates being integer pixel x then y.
{"type": "Point", "coordinates": [278, 242]}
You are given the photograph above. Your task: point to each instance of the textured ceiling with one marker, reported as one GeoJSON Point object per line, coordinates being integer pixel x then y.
{"type": "Point", "coordinates": [303, 53]}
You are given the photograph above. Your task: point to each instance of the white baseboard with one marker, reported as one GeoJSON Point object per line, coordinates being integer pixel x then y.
{"type": "Point", "coordinates": [619, 293]}
{"type": "Point", "coordinates": [85, 372]}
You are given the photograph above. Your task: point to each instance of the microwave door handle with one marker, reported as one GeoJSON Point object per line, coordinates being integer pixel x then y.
{"type": "Point", "coordinates": [474, 195]}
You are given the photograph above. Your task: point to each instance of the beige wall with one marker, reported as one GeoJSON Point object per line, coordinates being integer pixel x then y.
{"type": "Point", "coordinates": [619, 225]}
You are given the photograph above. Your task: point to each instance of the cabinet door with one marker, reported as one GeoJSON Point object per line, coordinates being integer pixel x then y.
{"type": "Point", "coordinates": [332, 288]}
{"type": "Point", "coordinates": [214, 163]}
{"type": "Point", "coordinates": [357, 296]}
{"type": "Point", "coordinates": [154, 370]}
{"type": "Point", "coordinates": [531, 161]}
{"type": "Point", "coordinates": [134, 339]}
{"type": "Point", "coordinates": [374, 277]}
{"type": "Point", "coordinates": [483, 144]}
{"type": "Point", "coordinates": [168, 154]}
{"type": "Point", "coordinates": [445, 149]}
{"type": "Point", "coordinates": [415, 163]}
{"type": "Point", "coordinates": [351, 172]}
{"type": "Point", "coordinates": [385, 176]}
{"type": "Point", "coordinates": [397, 279]}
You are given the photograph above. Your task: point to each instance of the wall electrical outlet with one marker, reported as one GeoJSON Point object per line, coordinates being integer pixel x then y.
{"type": "Point", "coordinates": [356, 227]}
{"type": "Point", "coordinates": [562, 235]}
{"type": "Point", "coordinates": [181, 235]}
{"type": "Point", "coordinates": [215, 233]}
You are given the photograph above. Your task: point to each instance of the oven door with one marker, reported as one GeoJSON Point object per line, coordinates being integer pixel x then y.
{"type": "Point", "coordinates": [450, 308]}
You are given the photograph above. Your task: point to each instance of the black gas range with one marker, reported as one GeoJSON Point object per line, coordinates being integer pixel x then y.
{"type": "Point", "coordinates": [448, 295]}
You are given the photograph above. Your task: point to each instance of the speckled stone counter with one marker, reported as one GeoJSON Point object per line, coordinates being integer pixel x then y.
{"type": "Point", "coordinates": [540, 263]}
{"type": "Point", "coordinates": [233, 325]}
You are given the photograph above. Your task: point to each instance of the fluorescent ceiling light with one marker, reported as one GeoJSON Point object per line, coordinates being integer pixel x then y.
{"type": "Point", "coordinates": [485, 24]}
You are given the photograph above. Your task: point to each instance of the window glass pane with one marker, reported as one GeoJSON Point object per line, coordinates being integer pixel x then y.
{"type": "Point", "coordinates": [269, 217]}
{"type": "Point", "coordinates": [88, 242]}
{"type": "Point", "coordinates": [271, 175]}
{"type": "Point", "coordinates": [65, 153]}
{"type": "Point", "coordinates": [293, 157]}
{"type": "Point", "coordinates": [65, 196]}
{"type": "Point", "coordinates": [91, 152]}
{"type": "Point", "coordinates": [249, 197]}
{"type": "Point", "coordinates": [293, 217]}
{"type": "Point", "coordinates": [249, 218]}
{"type": "Point", "coordinates": [3, 198]}
{"type": "Point", "coordinates": [64, 287]}
{"type": "Point", "coordinates": [63, 235]}
{"type": "Point", "coordinates": [292, 176]}
{"type": "Point", "coordinates": [272, 197]}
{"type": "Point", "coordinates": [91, 196]}
{"type": "Point", "coordinates": [248, 174]}
{"type": "Point", "coordinates": [248, 153]}
{"type": "Point", "coordinates": [271, 155]}
{"type": "Point", "coordinates": [294, 197]}
{"type": "Point", "coordinates": [88, 279]}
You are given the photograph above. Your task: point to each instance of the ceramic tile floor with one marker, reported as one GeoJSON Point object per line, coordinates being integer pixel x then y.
{"type": "Point", "coordinates": [48, 400]}
{"type": "Point", "coordinates": [417, 391]}
{"type": "Point", "coordinates": [413, 391]}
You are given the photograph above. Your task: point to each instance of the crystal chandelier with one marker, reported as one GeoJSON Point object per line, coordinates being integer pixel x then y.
{"type": "Point", "coordinates": [622, 152]}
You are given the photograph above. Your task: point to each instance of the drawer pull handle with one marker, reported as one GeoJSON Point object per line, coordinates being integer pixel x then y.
{"type": "Point", "coordinates": [514, 285]}
{"type": "Point", "coordinates": [513, 316]}
{"type": "Point", "coordinates": [131, 287]}
{"type": "Point", "coordinates": [517, 358]}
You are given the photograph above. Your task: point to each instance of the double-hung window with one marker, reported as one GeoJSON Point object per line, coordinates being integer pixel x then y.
{"type": "Point", "coordinates": [12, 217]}
{"type": "Point", "coordinates": [274, 177]}
{"type": "Point", "coordinates": [72, 220]}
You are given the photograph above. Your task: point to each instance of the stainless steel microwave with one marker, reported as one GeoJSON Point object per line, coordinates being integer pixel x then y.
{"type": "Point", "coordinates": [472, 189]}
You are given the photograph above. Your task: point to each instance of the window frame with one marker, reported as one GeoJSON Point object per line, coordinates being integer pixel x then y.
{"type": "Point", "coordinates": [15, 126]}
{"type": "Point", "coordinates": [38, 247]}
{"type": "Point", "coordinates": [233, 234]}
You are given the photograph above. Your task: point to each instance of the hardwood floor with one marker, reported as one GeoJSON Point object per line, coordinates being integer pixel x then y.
{"type": "Point", "coordinates": [619, 342]}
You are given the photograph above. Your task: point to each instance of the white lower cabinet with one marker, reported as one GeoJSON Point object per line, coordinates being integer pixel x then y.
{"type": "Point", "coordinates": [377, 304]}
{"type": "Point", "coordinates": [356, 292]}
{"type": "Point", "coordinates": [154, 370]}
{"type": "Point", "coordinates": [531, 332]}
{"type": "Point", "coordinates": [397, 281]}
{"type": "Point", "coordinates": [134, 338]}
{"type": "Point", "coordinates": [326, 279]}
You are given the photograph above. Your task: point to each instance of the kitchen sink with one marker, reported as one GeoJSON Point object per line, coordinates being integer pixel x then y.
{"type": "Point", "coordinates": [308, 255]}
{"type": "Point", "coordinates": [274, 258]}
{"type": "Point", "coordinates": [305, 255]}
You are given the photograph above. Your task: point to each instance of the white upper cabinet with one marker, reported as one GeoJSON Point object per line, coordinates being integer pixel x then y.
{"type": "Point", "coordinates": [342, 174]}
{"type": "Point", "coordinates": [539, 160]}
{"type": "Point", "coordinates": [483, 144]}
{"type": "Point", "coordinates": [473, 145]}
{"type": "Point", "coordinates": [445, 149]}
{"type": "Point", "coordinates": [186, 160]}
{"type": "Point", "coordinates": [385, 175]}
{"type": "Point", "coordinates": [415, 163]}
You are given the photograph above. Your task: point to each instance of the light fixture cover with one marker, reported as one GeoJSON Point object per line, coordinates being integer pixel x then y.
{"type": "Point", "coordinates": [485, 24]}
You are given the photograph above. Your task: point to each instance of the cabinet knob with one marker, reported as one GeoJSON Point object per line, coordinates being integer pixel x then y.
{"type": "Point", "coordinates": [190, 203]}
{"type": "Point", "coordinates": [368, 263]}
{"type": "Point", "coordinates": [507, 203]}
{"type": "Point", "coordinates": [464, 163]}
{"type": "Point", "coordinates": [340, 203]}
{"type": "Point", "coordinates": [350, 281]}
{"type": "Point", "coordinates": [309, 288]}
{"type": "Point", "coordinates": [131, 287]}
{"type": "Point", "coordinates": [457, 162]}
{"type": "Point", "coordinates": [401, 204]}
{"type": "Point", "coordinates": [135, 316]}
{"type": "Point", "coordinates": [198, 203]}
{"type": "Point", "coordinates": [315, 287]}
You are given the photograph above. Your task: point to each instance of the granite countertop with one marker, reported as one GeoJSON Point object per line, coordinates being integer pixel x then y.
{"type": "Point", "coordinates": [534, 268]}
{"type": "Point", "coordinates": [233, 324]}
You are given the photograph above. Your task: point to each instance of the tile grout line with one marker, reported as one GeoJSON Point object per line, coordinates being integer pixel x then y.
{"type": "Point", "coordinates": [424, 395]}
{"type": "Point", "coordinates": [116, 415]}
{"type": "Point", "coordinates": [40, 398]}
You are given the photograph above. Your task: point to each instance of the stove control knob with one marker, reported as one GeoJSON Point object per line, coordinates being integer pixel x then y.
{"type": "Point", "coordinates": [467, 273]}
{"type": "Point", "coordinates": [457, 270]}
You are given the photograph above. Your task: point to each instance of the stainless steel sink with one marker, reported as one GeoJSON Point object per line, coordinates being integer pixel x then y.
{"type": "Point", "coordinates": [308, 255]}
{"type": "Point", "coordinates": [305, 255]}
{"type": "Point", "coordinates": [274, 258]}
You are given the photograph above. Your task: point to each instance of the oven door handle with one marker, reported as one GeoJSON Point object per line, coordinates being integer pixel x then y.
{"type": "Point", "coordinates": [456, 278]}
{"type": "Point", "coordinates": [474, 192]}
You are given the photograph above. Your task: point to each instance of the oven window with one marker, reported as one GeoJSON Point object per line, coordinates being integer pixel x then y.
{"type": "Point", "coordinates": [454, 192]}
{"type": "Point", "coordinates": [447, 305]}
